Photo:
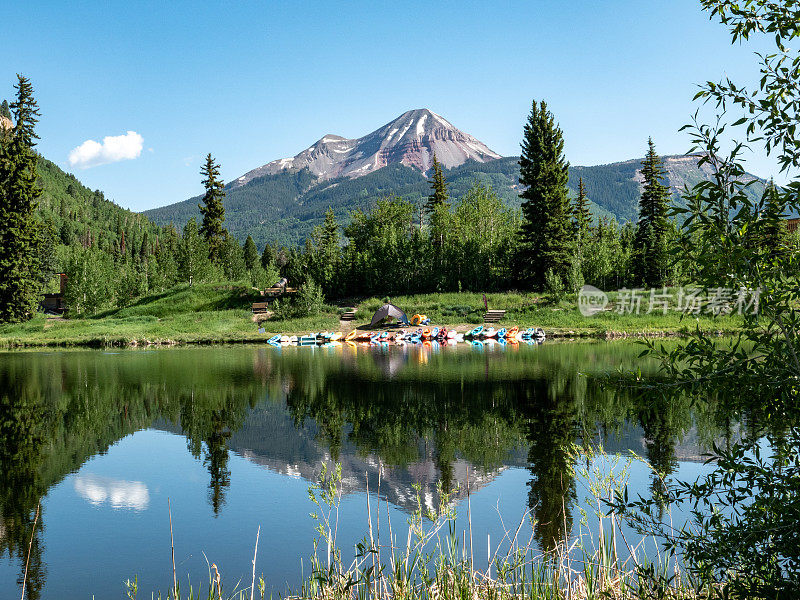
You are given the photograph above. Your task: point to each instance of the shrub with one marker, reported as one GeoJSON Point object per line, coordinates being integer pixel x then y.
{"type": "Point", "coordinates": [310, 300]}
{"type": "Point", "coordinates": [554, 285]}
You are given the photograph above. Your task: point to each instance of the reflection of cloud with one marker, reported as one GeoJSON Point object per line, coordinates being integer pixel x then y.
{"type": "Point", "coordinates": [117, 492]}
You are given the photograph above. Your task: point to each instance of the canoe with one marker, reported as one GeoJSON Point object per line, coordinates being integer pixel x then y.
{"type": "Point", "coordinates": [426, 333]}
{"type": "Point", "coordinates": [435, 332]}
{"type": "Point", "coordinates": [335, 337]}
{"type": "Point", "coordinates": [451, 333]}
{"type": "Point", "coordinates": [476, 332]}
{"type": "Point", "coordinates": [351, 336]}
{"type": "Point", "coordinates": [501, 333]}
{"type": "Point", "coordinates": [459, 338]}
{"type": "Point", "coordinates": [513, 331]}
{"type": "Point", "coordinates": [293, 339]}
{"type": "Point", "coordinates": [284, 339]}
{"type": "Point", "coordinates": [489, 332]}
{"type": "Point", "coordinates": [275, 339]}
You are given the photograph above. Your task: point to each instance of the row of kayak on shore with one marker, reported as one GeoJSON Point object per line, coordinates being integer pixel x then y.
{"type": "Point", "coordinates": [418, 336]}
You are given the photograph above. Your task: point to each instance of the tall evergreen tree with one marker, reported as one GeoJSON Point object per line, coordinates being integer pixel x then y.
{"type": "Point", "coordinates": [251, 258]}
{"type": "Point", "coordinates": [439, 196]}
{"type": "Point", "coordinates": [582, 214]}
{"type": "Point", "coordinates": [546, 228]}
{"type": "Point", "coordinates": [20, 282]}
{"type": "Point", "coordinates": [212, 209]}
{"type": "Point", "coordinates": [269, 257]}
{"type": "Point", "coordinates": [649, 245]}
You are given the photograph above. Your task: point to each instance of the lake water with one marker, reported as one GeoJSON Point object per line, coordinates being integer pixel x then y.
{"type": "Point", "coordinates": [234, 436]}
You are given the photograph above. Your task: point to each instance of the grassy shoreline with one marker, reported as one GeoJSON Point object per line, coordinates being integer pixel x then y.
{"type": "Point", "coordinates": [220, 314]}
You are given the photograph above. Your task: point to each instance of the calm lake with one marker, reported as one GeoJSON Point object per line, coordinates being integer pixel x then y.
{"type": "Point", "coordinates": [233, 437]}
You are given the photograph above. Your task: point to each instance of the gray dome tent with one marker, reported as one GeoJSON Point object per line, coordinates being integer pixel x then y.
{"type": "Point", "coordinates": [388, 310]}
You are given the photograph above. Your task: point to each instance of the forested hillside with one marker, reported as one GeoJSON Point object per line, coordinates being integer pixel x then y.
{"type": "Point", "coordinates": [77, 215]}
{"type": "Point", "coordinates": [285, 207]}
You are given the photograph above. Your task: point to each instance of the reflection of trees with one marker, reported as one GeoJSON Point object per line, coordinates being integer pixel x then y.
{"type": "Point", "coordinates": [57, 411]}
{"type": "Point", "coordinates": [22, 437]}
{"type": "Point", "coordinates": [552, 427]}
{"type": "Point", "coordinates": [663, 420]}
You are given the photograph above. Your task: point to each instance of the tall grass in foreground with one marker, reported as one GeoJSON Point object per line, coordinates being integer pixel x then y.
{"type": "Point", "coordinates": [436, 560]}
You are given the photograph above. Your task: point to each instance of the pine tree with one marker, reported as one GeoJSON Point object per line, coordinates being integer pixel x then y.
{"type": "Point", "coordinates": [439, 196]}
{"type": "Point", "coordinates": [269, 257]}
{"type": "Point", "coordinates": [251, 258]}
{"type": "Point", "coordinates": [212, 209]}
{"type": "Point", "coordinates": [546, 228]}
{"type": "Point", "coordinates": [773, 231]}
{"type": "Point", "coordinates": [20, 282]}
{"type": "Point", "coordinates": [649, 244]}
{"type": "Point", "coordinates": [582, 214]}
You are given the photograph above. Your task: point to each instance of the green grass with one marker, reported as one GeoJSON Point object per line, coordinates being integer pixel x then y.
{"type": "Point", "coordinates": [219, 313]}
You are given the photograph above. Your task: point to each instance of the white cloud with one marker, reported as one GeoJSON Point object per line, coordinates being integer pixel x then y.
{"type": "Point", "coordinates": [113, 149]}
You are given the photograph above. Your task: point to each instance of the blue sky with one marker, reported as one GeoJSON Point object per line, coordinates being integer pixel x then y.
{"type": "Point", "coordinates": [254, 81]}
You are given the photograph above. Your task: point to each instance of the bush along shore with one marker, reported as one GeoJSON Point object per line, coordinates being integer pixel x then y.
{"type": "Point", "coordinates": [221, 313]}
{"type": "Point", "coordinates": [436, 558]}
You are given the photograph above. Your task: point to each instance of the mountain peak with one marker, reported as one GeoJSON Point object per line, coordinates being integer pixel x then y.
{"type": "Point", "coordinates": [411, 140]}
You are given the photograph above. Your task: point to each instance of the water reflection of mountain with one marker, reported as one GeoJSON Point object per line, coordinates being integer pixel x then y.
{"type": "Point", "coordinates": [269, 437]}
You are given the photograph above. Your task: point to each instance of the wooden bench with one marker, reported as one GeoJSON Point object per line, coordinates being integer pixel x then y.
{"type": "Point", "coordinates": [259, 308]}
{"type": "Point", "coordinates": [279, 291]}
{"type": "Point", "coordinates": [493, 316]}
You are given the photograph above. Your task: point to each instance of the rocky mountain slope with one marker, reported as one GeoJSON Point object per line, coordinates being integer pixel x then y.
{"type": "Point", "coordinates": [411, 140]}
